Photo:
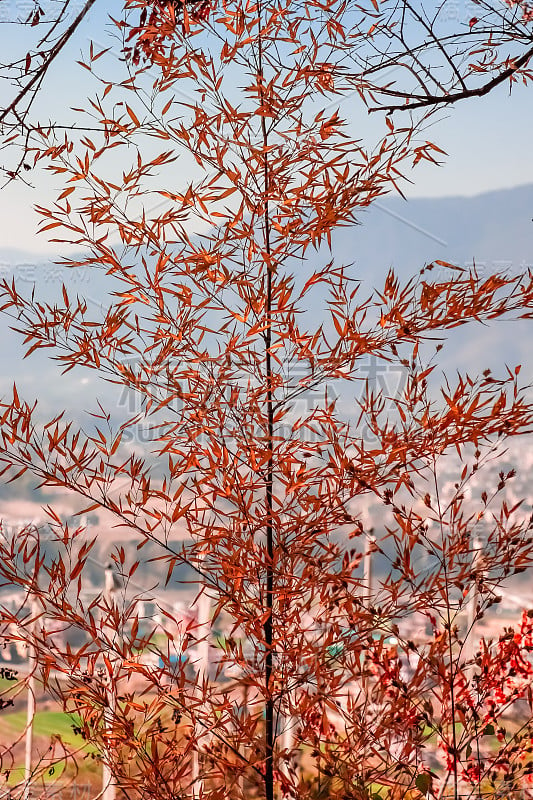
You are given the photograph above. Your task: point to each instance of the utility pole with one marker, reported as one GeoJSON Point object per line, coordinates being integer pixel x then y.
{"type": "Point", "coordinates": [203, 620]}
{"type": "Point", "coordinates": [111, 585]}
{"type": "Point", "coordinates": [471, 608]}
{"type": "Point", "coordinates": [370, 542]}
{"type": "Point", "coordinates": [288, 742]}
{"type": "Point", "coordinates": [363, 685]}
{"type": "Point", "coordinates": [30, 705]}
{"type": "Point", "coordinates": [203, 606]}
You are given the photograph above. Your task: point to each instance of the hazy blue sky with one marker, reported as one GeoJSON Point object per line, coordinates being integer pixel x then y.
{"type": "Point", "coordinates": [486, 139]}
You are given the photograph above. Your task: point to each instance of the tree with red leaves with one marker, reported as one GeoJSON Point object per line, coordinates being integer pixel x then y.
{"type": "Point", "coordinates": [437, 57]}
{"type": "Point", "coordinates": [231, 320]}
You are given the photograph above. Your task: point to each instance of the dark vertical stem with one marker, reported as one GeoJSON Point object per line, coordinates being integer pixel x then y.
{"type": "Point", "coordinates": [451, 681]}
{"type": "Point", "coordinates": [268, 625]}
{"type": "Point", "coordinates": [269, 710]}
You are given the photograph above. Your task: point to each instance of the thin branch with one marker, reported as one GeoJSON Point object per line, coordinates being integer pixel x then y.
{"type": "Point", "coordinates": [454, 97]}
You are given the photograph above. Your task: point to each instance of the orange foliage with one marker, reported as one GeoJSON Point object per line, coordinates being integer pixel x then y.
{"type": "Point", "coordinates": [243, 477]}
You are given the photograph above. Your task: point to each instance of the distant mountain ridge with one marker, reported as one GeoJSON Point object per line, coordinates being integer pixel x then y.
{"type": "Point", "coordinates": [494, 230]}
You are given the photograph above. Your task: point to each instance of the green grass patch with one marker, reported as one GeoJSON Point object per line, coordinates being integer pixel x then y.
{"type": "Point", "coordinates": [6, 685]}
{"type": "Point", "coordinates": [45, 724]}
